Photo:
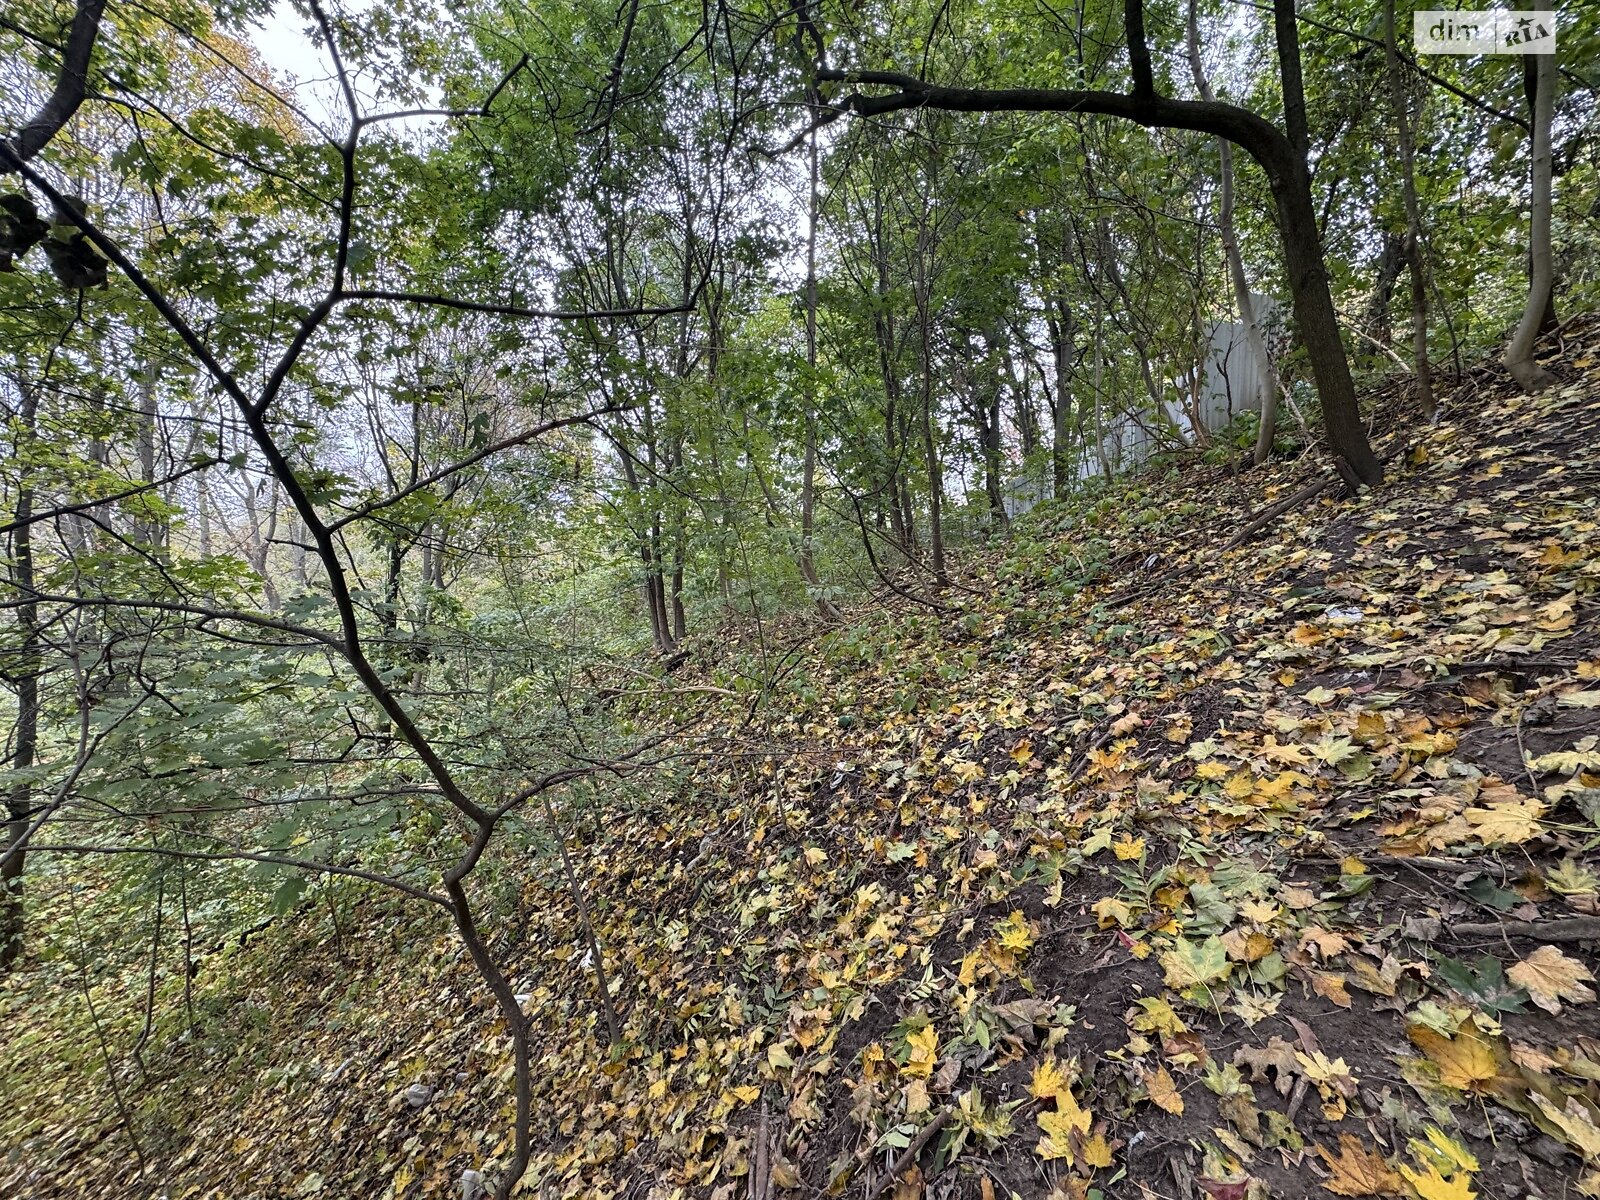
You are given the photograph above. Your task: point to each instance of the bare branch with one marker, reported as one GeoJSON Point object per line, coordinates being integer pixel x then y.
{"type": "Point", "coordinates": [259, 620]}
{"type": "Point", "coordinates": [67, 510]}
{"type": "Point", "coordinates": [427, 481]}
{"type": "Point", "coordinates": [280, 860]}
{"type": "Point", "coordinates": [513, 310]}
{"type": "Point", "coordinates": [67, 97]}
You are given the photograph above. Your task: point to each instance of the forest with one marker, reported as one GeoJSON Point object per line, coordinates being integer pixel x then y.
{"type": "Point", "coordinates": [765, 599]}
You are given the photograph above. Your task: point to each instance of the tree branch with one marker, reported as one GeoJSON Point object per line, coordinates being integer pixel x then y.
{"type": "Point", "coordinates": [67, 510]}
{"type": "Point", "coordinates": [65, 99]}
{"type": "Point", "coordinates": [280, 860]}
{"type": "Point", "coordinates": [427, 481]}
{"type": "Point", "coordinates": [512, 310]}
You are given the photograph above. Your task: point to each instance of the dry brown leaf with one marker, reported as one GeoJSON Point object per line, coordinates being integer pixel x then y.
{"type": "Point", "coordinates": [1549, 977]}
{"type": "Point", "coordinates": [1163, 1091]}
{"type": "Point", "coordinates": [1357, 1171]}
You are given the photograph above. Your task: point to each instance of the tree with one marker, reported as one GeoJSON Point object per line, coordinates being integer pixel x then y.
{"type": "Point", "coordinates": [340, 621]}
{"type": "Point", "coordinates": [1519, 359]}
{"type": "Point", "coordinates": [1255, 342]}
{"type": "Point", "coordinates": [1282, 155]}
{"type": "Point", "coordinates": [1412, 246]}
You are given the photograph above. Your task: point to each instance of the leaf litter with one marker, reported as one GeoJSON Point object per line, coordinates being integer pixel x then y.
{"type": "Point", "coordinates": [1218, 877]}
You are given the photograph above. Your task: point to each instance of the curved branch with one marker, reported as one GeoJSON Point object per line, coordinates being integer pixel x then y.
{"type": "Point", "coordinates": [71, 86]}
{"type": "Point", "coordinates": [513, 310]}
{"type": "Point", "coordinates": [280, 860]}
{"type": "Point", "coordinates": [493, 448]}
{"type": "Point", "coordinates": [258, 620]}
{"type": "Point", "coordinates": [1262, 140]}
{"type": "Point", "coordinates": [67, 510]}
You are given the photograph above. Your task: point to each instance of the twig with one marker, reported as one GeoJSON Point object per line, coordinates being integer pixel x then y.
{"type": "Point", "coordinates": [905, 1161]}
{"type": "Point", "coordinates": [761, 1172]}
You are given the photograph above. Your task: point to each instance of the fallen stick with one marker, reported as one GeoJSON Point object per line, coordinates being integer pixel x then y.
{"type": "Point", "coordinates": [905, 1160]}
{"type": "Point", "coordinates": [1310, 492]}
{"type": "Point", "coordinates": [1571, 929]}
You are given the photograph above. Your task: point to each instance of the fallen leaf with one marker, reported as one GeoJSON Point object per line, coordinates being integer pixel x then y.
{"type": "Point", "coordinates": [1506, 824]}
{"type": "Point", "coordinates": [924, 1046]}
{"type": "Point", "coordinates": [1194, 964]}
{"type": "Point", "coordinates": [1549, 977]}
{"type": "Point", "coordinates": [1429, 1184]}
{"type": "Point", "coordinates": [1049, 1080]}
{"type": "Point", "coordinates": [1466, 1061]}
{"type": "Point", "coordinates": [1163, 1092]}
{"type": "Point", "coordinates": [1576, 1123]}
{"type": "Point", "coordinates": [1357, 1171]}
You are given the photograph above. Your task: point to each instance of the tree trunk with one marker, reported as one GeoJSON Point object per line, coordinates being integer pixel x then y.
{"type": "Point", "coordinates": [1099, 382]}
{"type": "Point", "coordinates": [1524, 368]}
{"type": "Point", "coordinates": [1413, 242]}
{"type": "Point", "coordinates": [26, 738]}
{"type": "Point", "coordinates": [808, 471]}
{"type": "Point", "coordinates": [930, 441]}
{"type": "Point", "coordinates": [1266, 397]}
{"type": "Point", "coordinates": [1391, 261]}
{"type": "Point", "coordinates": [1530, 89]}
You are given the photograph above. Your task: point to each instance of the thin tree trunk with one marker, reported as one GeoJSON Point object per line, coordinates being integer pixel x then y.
{"type": "Point", "coordinates": [1530, 88]}
{"type": "Point", "coordinates": [26, 738]}
{"type": "Point", "coordinates": [1391, 261]}
{"type": "Point", "coordinates": [808, 472]}
{"type": "Point", "coordinates": [1099, 382]}
{"type": "Point", "coordinates": [1255, 344]}
{"type": "Point", "coordinates": [930, 442]}
{"type": "Point", "coordinates": [1413, 242]}
{"type": "Point", "coordinates": [1307, 271]}
{"type": "Point", "coordinates": [1524, 368]}
{"type": "Point", "coordinates": [608, 1008]}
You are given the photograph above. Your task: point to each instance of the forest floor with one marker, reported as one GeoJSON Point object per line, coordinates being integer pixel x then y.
{"type": "Point", "coordinates": [1147, 868]}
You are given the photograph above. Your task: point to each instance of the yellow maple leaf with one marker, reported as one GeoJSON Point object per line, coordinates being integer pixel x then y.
{"type": "Point", "coordinates": [924, 1046]}
{"type": "Point", "coordinates": [1506, 824]}
{"type": "Point", "coordinates": [1576, 1123]}
{"type": "Point", "coordinates": [1429, 1184]}
{"type": "Point", "coordinates": [1015, 933]}
{"type": "Point", "coordinates": [1059, 1127]}
{"type": "Point", "coordinates": [1128, 849]}
{"type": "Point", "coordinates": [1112, 911]}
{"type": "Point", "coordinates": [1449, 1156]}
{"type": "Point", "coordinates": [1158, 1017]}
{"type": "Point", "coordinates": [1163, 1091]}
{"type": "Point", "coordinates": [1096, 1151]}
{"type": "Point", "coordinates": [1549, 977]}
{"type": "Point", "coordinates": [1049, 1080]}
{"type": "Point", "coordinates": [1357, 1171]}
{"type": "Point", "coordinates": [1468, 1060]}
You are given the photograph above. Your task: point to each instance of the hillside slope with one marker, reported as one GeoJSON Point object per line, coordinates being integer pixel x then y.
{"type": "Point", "coordinates": [1144, 869]}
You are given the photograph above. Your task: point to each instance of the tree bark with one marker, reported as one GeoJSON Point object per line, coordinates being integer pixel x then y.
{"type": "Point", "coordinates": [1413, 239]}
{"type": "Point", "coordinates": [67, 96]}
{"type": "Point", "coordinates": [808, 471]}
{"type": "Point", "coordinates": [1524, 368]}
{"type": "Point", "coordinates": [26, 738]}
{"type": "Point", "coordinates": [930, 441]}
